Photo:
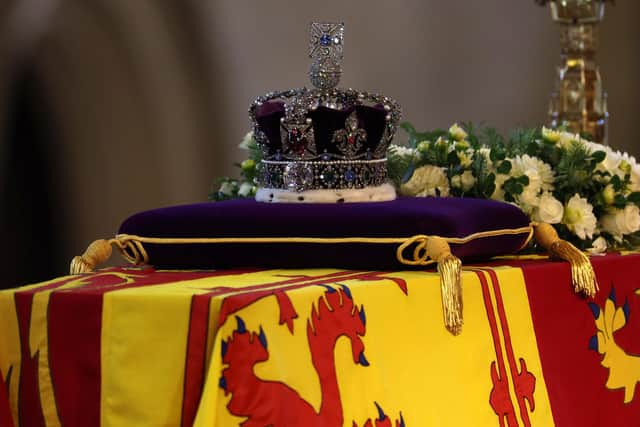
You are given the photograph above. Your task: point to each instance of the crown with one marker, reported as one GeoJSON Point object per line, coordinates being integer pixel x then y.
{"type": "Point", "coordinates": [324, 144]}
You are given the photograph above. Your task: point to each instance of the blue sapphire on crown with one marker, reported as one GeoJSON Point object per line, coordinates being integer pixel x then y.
{"type": "Point", "coordinates": [325, 40]}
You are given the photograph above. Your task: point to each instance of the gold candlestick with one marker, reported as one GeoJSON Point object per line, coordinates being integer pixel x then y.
{"type": "Point", "coordinates": [579, 102]}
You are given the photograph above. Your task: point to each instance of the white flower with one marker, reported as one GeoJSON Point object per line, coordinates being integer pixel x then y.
{"type": "Point", "coordinates": [247, 141]}
{"type": "Point", "coordinates": [245, 189]}
{"type": "Point", "coordinates": [423, 146]}
{"type": "Point", "coordinates": [579, 217]}
{"type": "Point", "coordinates": [598, 246]}
{"type": "Point", "coordinates": [593, 146]}
{"type": "Point", "coordinates": [549, 209]}
{"type": "Point", "coordinates": [627, 163]}
{"type": "Point", "coordinates": [426, 181]}
{"type": "Point", "coordinates": [401, 150]}
{"type": "Point", "coordinates": [619, 222]}
{"type": "Point", "coordinates": [611, 162]}
{"type": "Point", "coordinates": [550, 134]}
{"type": "Point", "coordinates": [442, 141]}
{"type": "Point", "coordinates": [465, 158]}
{"type": "Point", "coordinates": [457, 132]}
{"type": "Point", "coordinates": [634, 180]}
{"type": "Point", "coordinates": [528, 200]}
{"type": "Point", "coordinates": [539, 173]}
{"type": "Point", "coordinates": [468, 180]}
{"type": "Point", "coordinates": [567, 139]}
{"type": "Point", "coordinates": [226, 188]}
{"type": "Point", "coordinates": [486, 153]}
{"type": "Point", "coordinates": [465, 181]}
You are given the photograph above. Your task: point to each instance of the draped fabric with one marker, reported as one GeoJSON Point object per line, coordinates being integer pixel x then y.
{"type": "Point", "coordinates": [322, 347]}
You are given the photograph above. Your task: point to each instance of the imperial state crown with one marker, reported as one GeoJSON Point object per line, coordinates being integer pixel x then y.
{"type": "Point", "coordinates": [324, 144]}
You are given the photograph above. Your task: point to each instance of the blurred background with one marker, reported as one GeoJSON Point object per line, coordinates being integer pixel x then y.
{"type": "Point", "coordinates": [109, 107]}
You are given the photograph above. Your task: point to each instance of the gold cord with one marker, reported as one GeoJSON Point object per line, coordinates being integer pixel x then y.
{"type": "Point", "coordinates": [97, 253]}
{"type": "Point", "coordinates": [582, 275]}
{"type": "Point", "coordinates": [449, 267]}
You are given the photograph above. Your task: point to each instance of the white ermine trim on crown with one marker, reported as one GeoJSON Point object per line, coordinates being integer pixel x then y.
{"type": "Point", "coordinates": [382, 193]}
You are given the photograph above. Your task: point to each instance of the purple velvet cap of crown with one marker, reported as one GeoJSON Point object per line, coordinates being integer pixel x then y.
{"type": "Point", "coordinates": [325, 121]}
{"type": "Point", "coordinates": [404, 217]}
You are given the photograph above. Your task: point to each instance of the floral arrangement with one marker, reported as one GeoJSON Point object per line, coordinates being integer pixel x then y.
{"type": "Point", "coordinates": [588, 191]}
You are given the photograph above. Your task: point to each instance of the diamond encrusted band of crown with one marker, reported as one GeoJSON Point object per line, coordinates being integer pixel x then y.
{"type": "Point", "coordinates": [319, 175]}
{"type": "Point", "coordinates": [325, 49]}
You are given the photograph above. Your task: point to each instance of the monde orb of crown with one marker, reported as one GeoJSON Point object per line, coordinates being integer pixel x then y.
{"type": "Point", "coordinates": [324, 139]}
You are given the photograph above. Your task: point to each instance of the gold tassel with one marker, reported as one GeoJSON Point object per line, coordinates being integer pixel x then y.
{"type": "Point", "coordinates": [97, 253]}
{"type": "Point", "coordinates": [582, 275]}
{"type": "Point", "coordinates": [449, 268]}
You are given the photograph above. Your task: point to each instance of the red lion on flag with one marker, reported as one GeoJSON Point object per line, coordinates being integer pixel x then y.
{"type": "Point", "coordinates": [336, 315]}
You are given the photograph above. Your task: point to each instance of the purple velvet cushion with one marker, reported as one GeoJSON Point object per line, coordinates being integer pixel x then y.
{"type": "Point", "coordinates": [404, 217]}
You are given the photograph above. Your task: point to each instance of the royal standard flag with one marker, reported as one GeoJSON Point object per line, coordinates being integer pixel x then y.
{"type": "Point", "coordinates": [139, 347]}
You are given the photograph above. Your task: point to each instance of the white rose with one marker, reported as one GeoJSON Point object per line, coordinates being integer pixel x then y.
{"type": "Point", "coordinates": [467, 180]}
{"type": "Point", "coordinates": [427, 181]}
{"type": "Point", "coordinates": [247, 141]}
{"type": "Point", "coordinates": [549, 209]}
{"type": "Point", "coordinates": [245, 189]}
{"type": "Point", "coordinates": [457, 132]}
{"type": "Point", "coordinates": [619, 222]}
{"type": "Point", "coordinates": [598, 246]}
{"type": "Point", "coordinates": [226, 188]}
{"type": "Point", "coordinates": [579, 217]}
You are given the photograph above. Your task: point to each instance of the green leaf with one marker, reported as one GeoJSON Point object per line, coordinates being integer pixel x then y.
{"type": "Point", "coordinates": [514, 186]}
{"type": "Point", "coordinates": [634, 197]}
{"type": "Point", "coordinates": [619, 201]}
{"type": "Point", "coordinates": [453, 159]}
{"type": "Point", "coordinates": [599, 156]}
{"type": "Point", "coordinates": [617, 183]}
{"type": "Point", "coordinates": [504, 167]}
